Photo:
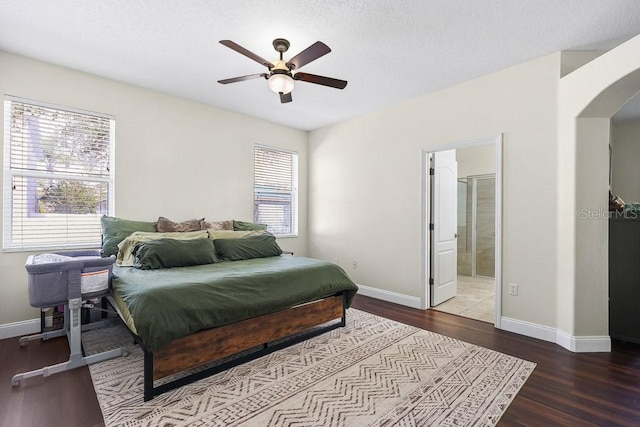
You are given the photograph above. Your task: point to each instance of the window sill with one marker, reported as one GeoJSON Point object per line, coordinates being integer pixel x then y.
{"type": "Point", "coordinates": [36, 249]}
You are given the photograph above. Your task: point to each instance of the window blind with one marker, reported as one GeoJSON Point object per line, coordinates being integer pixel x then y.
{"type": "Point", "coordinates": [58, 175]}
{"type": "Point", "coordinates": [275, 190]}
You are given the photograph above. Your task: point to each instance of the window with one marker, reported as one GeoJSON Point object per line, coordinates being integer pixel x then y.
{"type": "Point", "coordinates": [275, 200]}
{"type": "Point", "coordinates": [58, 175]}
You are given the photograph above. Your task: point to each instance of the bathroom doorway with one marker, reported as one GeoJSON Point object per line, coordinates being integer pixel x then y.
{"type": "Point", "coordinates": [476, 270]}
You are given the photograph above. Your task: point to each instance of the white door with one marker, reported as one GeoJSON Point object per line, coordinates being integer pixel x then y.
{"type": "Point", "coordinates": [444, 212]}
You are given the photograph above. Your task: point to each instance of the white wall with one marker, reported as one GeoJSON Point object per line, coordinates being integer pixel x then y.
{"type": "Point", "coordinates": [365, 183]}
{"type": "Point", "coordinates": [174, 158]}
{"type": "Point", "coordinates": [625, 140]}
{"type": "Point", "coordinates": [478, 160]}
{"type": "Point", "coordinates": [587, 99]}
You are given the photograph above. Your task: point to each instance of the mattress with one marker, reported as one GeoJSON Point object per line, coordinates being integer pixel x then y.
{"type": "Point", "coordinates": [162, 305]}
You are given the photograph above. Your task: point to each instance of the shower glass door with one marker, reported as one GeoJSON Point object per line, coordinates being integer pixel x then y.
{"type": "Point", "coordinates": [476, 225]}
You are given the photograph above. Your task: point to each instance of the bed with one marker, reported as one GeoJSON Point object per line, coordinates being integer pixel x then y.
{"type": "Point", "coordinates": [234, 309]}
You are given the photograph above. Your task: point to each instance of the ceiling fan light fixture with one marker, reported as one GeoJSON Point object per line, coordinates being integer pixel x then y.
{"type": "Point", "coordinates": [280, 83]}
{"type": "Point", "coordinates": [280, 77]}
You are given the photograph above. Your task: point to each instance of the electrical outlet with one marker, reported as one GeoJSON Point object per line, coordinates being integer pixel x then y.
{"type": "Point", "coordinates": [513, 289]}
{"type": "Point", "coordinates": [355, 265]}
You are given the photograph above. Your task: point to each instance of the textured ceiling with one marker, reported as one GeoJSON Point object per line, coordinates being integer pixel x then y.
{"type": "Point", "coordinates": [389, 51]}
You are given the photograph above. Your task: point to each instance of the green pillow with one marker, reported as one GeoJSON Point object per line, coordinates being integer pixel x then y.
{"type": "Point", "coordinates": [167, 253]}
{"type": "Point", "coordinates": [247, 226]}
{"type": "Point", "coordinates": [115, 230]}
{"type": "Point", "coordinates": [261, 246]}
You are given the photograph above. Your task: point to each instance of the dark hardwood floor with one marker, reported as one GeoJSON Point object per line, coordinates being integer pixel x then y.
{"type": "Point", "coordinates": [64, 399]}
{"type": "Point", "coordinates": [565, 389]}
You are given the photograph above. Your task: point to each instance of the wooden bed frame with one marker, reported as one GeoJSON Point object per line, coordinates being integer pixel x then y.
{"type": "Point", "coordinates": [257, 337]}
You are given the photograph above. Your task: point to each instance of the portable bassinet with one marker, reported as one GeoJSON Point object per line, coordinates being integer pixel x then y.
{"type": "Point", "coordinates": [69, 279]}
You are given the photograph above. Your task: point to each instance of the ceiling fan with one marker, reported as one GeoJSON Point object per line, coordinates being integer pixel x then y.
{"type": "Point", "coordinates": [281, 75]}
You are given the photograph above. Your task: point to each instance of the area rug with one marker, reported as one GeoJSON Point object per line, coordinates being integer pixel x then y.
{"type": "Point", "coordinates": [373, 372]}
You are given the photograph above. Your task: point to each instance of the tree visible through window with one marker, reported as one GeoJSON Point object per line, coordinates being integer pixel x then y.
{"type": "Point", "coordinates": [275, 200]}
{"type": "Point", "coordinates": [57, 175]}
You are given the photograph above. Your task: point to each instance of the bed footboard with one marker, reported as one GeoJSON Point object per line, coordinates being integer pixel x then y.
{"type": "Point", "coordinates": [262, 335]}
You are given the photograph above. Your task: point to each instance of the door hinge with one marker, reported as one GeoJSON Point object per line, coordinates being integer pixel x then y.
{"type": "Point", "coordinates": [431, 227]}
{"type": "Point", "coordinates": [432, 171]}
{"type": "Point", "coordinates": [430, 281]}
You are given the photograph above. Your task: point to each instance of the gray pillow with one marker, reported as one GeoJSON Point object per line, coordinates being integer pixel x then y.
{"type": "Point", "coordinates": [217, 225]}
{"type": "Point", "coordinates": [166, 225]}
{"type": "Point", "coordinates": [167, 253]}
{"type": "Point", "coordinates": [260, 246]}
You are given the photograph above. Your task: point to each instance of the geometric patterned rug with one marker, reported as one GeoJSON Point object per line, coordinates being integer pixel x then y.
{"type": "Point", "coordinates": [373, 372]}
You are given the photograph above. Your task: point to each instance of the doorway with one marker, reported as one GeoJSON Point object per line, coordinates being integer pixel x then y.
{"type": "Point", "coordinates": [477, 196]}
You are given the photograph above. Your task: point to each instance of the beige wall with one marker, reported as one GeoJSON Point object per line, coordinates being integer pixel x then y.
{"type": "Point", "coordinates": [365, 183]}
{"type": "Point", "coordinates": [625, 140]}
{"type": "Point", "coordinates": [174, 158]}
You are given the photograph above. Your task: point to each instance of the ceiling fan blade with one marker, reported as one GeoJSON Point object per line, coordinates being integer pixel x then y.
{"type": "Point", "coordinates": [321, 80]}
{"type": "Point", "coordinates": [285, 97]}
{"type": "Point", "coordinates": [242, 78]}
{"type": "Point", "coordinates": [311, 53]}
{"type": "Point", "coordinates": [247, 53]}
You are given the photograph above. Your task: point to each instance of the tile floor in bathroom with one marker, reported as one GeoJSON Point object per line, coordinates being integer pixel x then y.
{"type": "Point", "coordinates": [475, 299]}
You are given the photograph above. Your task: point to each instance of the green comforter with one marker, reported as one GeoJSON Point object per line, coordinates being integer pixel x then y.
{"type": "Point", "coordinates": [167, 304]}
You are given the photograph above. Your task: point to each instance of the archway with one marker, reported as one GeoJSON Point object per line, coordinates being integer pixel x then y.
{"type": "Point", "coordinates": [588, 98]}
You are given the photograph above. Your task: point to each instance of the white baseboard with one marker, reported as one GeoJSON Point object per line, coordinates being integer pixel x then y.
{"type": "Point", "coordinates": [18, 329]}
{"type": "Point", "coordinates": [389, 296]}
{"type": "Point", "coordinates": [576, 344]}
{"type": "Point", "coordinates": [528, 329]}
{"type": "Point", "coordinates": [584, 344]}
{"type": "Point", "coordinates": [579, 344]}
